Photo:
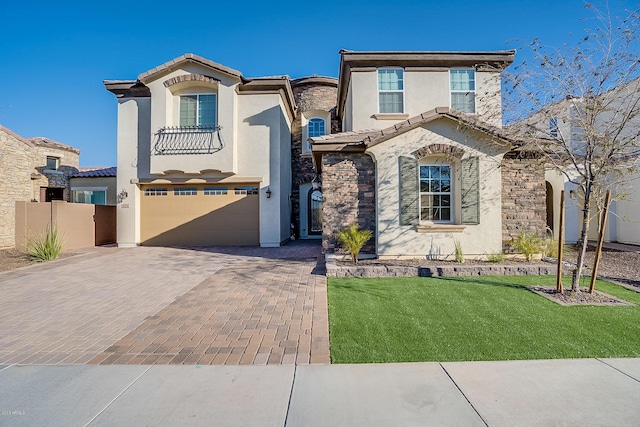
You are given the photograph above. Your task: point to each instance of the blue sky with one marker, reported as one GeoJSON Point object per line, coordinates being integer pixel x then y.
{"type": "Point", "coordinates": [55, 55]}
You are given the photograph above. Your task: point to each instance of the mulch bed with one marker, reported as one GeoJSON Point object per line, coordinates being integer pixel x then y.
{"type": "Point", "coordinates": [569, 298]}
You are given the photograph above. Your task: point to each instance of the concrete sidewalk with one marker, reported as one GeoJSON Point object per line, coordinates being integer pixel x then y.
{"type": "Point", "coordinates": [585, 392]}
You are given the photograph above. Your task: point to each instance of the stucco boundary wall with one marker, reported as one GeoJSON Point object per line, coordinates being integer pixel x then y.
{"type": "Point", "coordinates": [334, 270]}
{"type": "Point", "coordinates": [79, 225]}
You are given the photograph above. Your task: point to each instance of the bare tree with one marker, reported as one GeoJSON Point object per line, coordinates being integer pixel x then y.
{"type": "Point", "coordinates": [579, 105]}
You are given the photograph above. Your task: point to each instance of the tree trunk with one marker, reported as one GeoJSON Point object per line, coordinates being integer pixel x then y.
{"type": "Point", "coordinates": [583, 240]}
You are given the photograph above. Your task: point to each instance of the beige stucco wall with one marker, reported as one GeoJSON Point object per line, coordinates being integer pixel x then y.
{"type": "Point", "coordinates": [165, 111]}
{"type": "Point", "coordinates": [264, 150]}
{"type": "Point", "coordinates": [133, 134]}
{"type": "Point", "coordinates": [77, 223]}
{"type": "Point", "coordinates": [424, 90]}
{"type": "Point", "coordinates": [256, 132]}
{"type": "Point", "coordinates": [22, 174]}
{"type": "Point", "coordinates": [394, 240]}
{"type": "Point", "coordinates": [627, 214]}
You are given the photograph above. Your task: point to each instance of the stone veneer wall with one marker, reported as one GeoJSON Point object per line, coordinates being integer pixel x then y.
{"type": "Point", "coordinates": [21, 177]}
{"type": "Point", "coordinates": [308, 97]}
{"type": "Point", "coordinates": [523, 196]}
{"type": "Point", "coordinates": [348, 185]}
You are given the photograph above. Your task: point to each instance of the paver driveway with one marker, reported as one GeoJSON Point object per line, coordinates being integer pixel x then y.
{"type": "Point", "coordinates": [168, 305]}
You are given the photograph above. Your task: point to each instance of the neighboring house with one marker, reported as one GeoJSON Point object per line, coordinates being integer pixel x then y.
{"type": "Point", "coordinates": [94, 185]}
{"type": "Point", "coordinates": [559, 120]}
{"type": "Point", "coordinates": [407, 144]}
{"type": "Point", "coordinates": [422, 160]}
{"type": "Point", "coordinates": [33, 169]}
{"type": "Point", "coordinates": [204, 156]}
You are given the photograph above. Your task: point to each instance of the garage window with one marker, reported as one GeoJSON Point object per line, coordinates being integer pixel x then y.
{"type": "Point", "coordinates": [189, 191]}
{"type": "Point", "coordinates": [215, 191]}
{"type": "Point", "coordinates": [246, 190]}
{"type": "Point", "coordinates": [155, 192]}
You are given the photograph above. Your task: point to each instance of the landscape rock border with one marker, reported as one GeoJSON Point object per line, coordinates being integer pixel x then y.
{"type": "Point", "coordinates": [442, 270]}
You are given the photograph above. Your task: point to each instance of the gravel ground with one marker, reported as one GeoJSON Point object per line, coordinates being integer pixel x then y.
{"type": "Point", "coordinates": [10, 259]}
{"type": "Point", "coordinates": [615, 265]}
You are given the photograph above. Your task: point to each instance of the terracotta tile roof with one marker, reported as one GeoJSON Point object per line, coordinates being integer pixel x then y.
{"type": "Point", "coordinates": [188, 57]}
{"type": "Point", "coordinates": [95, 172]}
{"type": "Point", "coordinates": [371, 137]}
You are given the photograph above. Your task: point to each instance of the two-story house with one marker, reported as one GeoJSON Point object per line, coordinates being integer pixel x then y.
{"type": "Point", "coordinates": [407, 144]}
{"type": "Point", "coordinates": [204, 156]}
{"type": "Point", "coordinates": [422, 160]}
{"type": "Point", "coordinates": [612, 118]}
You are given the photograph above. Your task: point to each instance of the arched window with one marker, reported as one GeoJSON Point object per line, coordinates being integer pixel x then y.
{"type": "Point", "coordinates": [315, 128]}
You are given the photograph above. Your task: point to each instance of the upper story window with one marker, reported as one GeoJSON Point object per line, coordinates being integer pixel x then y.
{"type": "Point", "coordinates": [315, 127]}
{"type": "Point", "coordinates": [463, 90]}
{"type": "Point", "coordinates": [198, 110]}
{"type": "Point", "coordinates": [553, 126]}
{"type": "Point", "coordinates": [314, 123]}
{"type": "Point", "coordinates": [391, 90]}
{"type": "Point", "coordinates": [435, 193]}
{"type": "Point", "coordinates": [52, 163]}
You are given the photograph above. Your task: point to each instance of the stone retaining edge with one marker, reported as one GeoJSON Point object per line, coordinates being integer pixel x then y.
{"type": "Point", "coordinates": [334, 270]}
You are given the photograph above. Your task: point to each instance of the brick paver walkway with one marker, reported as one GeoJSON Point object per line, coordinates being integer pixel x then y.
{"type": "Point", "coordinates": [168, 305]}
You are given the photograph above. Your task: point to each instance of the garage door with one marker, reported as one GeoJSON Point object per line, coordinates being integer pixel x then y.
{"type": "Point", "coordinates": [190, 215]}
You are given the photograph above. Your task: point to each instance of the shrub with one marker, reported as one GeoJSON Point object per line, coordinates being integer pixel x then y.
{"type": "Point", "coordinates": [458, 251]}
{"type": "Point", "coordinates": [353, 239]}
{"type": "Point", "coordinates": [527, 244]}
{"type": "Point", "coordinates": [550, 248]}
{"type": "Point", "coordinates": [496, 257]}
{"type": "Point", "coordinates": [45, 247]}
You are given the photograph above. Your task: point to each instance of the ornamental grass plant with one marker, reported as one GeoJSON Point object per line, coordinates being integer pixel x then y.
{"type": "Point", "coordinates": [45, 246]}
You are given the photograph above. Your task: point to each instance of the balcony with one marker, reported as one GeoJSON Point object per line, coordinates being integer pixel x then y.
{"type": "Point", "coordinates": [190, 149]}
{"type": "Point", "coordinates": [187, 140]}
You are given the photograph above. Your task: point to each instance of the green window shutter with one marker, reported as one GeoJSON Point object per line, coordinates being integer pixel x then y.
{"type": "Point", "coordinates": [470, 191]}
{"type": "Point", "coordinates": [409, 194]}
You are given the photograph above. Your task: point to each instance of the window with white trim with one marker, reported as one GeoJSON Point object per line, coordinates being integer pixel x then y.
{"type": "Point", "coordinates": [242, 191]}
{"type": "Point", "coordinates": [390, 90]}
{"type": "Point", "coordinates": [199, 110]}
{"type": "Point", "coordinates": [215, 191]}
{"type": "Point", "coordinates": [435, 193]}
{"type": "Point", "coordinates": [553, 126]}
{"type": "Point", "coordinates": [52, 163]}
{"type": "Point", "coordinates": [90, 196]}
{"type": "Point", "coordinates": [315, 127]}
{"type": "Point", "coordinates": [463, 90]}
{"type": "Point", "coordinates": [155, 191]}
{"type": "Point", "coordinates": [185, 191]}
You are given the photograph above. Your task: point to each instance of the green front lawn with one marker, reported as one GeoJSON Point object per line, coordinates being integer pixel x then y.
{"type": "Point", "coordinates": [473, 318]}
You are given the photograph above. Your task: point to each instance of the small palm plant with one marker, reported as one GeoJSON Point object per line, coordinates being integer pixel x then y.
{"type": "Point", "coordinates": [353, 239]}
{"type": "Point", "coordinates": [45, 247]}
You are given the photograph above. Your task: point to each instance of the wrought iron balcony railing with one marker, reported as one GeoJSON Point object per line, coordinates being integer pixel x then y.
{"type": "Point", "coordinates": [187, 140]}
